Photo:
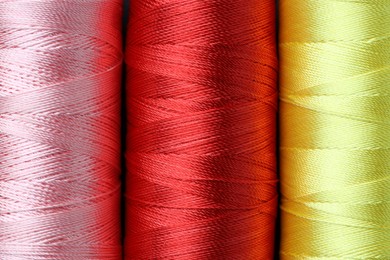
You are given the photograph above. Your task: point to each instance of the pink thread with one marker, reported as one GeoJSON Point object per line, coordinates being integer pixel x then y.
{"type": "Point", "coordinates": [60, 65]}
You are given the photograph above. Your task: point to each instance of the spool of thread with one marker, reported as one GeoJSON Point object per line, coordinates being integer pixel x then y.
{"type": "Point", "coordinates": [201, 81]}
{"type": "Point", "coordinates": [60, 65]}
{"type": "Point", "coordinates": [335, 64]}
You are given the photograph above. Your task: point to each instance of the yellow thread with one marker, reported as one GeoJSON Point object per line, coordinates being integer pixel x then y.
{"type": "Point", "coordinates": [335, 129]}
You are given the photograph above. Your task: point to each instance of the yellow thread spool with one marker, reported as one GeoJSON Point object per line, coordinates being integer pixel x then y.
{"type": "Point", "coordinates": [335, 129]}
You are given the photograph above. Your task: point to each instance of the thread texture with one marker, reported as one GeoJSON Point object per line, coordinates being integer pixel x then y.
{"type": "Point", "coordinates": [60, 65]}
{"type": "Point", "coordinates": [201, 80]}
{"type": "Point", "coordinates": [335, 129]}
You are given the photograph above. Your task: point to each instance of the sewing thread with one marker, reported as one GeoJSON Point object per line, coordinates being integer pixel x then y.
{"type": "Point", "coordinates": [202, 101]}
{"type": "Point", "coordinates": [60, 65]}
{"type": "Point", "coordinates": [335, 61]}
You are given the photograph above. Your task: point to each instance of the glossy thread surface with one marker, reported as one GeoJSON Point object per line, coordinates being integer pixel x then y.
{"type": "Point", "coordinates": [60, 64]}
{"type": "Point", "coordinates": [201, 97]}
{"type": "Point", "coordinates": [335, 103]}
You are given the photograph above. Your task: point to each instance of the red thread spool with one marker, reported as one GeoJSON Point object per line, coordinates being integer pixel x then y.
{"type": "Point", "coordinates": [202, 101]}
{"type": "Point", "coordinates": [60, 65]}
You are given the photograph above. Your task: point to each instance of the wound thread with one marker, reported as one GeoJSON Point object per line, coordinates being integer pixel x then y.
{"type": "Point", "coordinates": [60, 65]}
{"type": "Point", "coordinates": [201, 97]}
{"type": "Point", "coordinates": [334, 129]}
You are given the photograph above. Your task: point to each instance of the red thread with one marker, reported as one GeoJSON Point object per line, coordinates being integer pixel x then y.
{"type": "Point", "coordinates": [60, 65]}
{"type": "Point", "coordinates": [201, 82]}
